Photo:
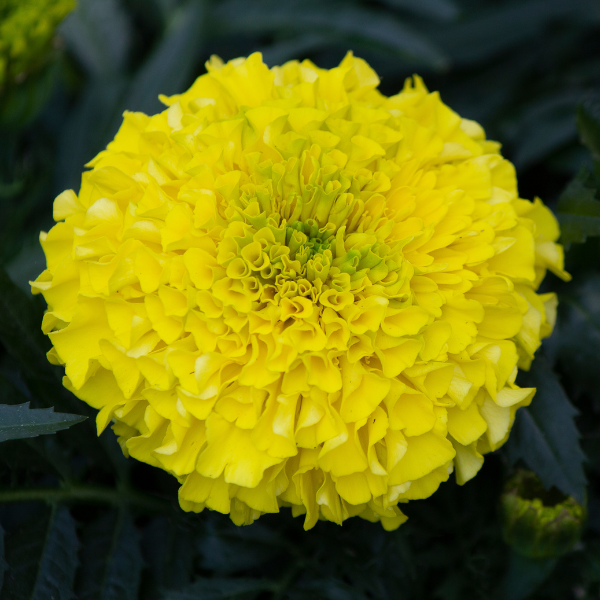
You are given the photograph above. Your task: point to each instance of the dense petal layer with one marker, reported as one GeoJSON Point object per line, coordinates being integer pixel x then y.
{"type": "Point", "coordinates": [290, 290]}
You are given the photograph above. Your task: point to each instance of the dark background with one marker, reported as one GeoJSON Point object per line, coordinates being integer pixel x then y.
{"type": "Point", "coordinates": [520, 68]}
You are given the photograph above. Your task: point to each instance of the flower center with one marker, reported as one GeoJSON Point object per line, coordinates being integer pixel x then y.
{"type": "Point", "coordinates": [304, 251]}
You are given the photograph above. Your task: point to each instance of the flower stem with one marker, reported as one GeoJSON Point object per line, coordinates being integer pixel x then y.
{"type": "Point", "coordinates": [87, 494]}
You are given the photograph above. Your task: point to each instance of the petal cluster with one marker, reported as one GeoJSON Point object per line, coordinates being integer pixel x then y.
{"type": "Point", "coordinates": [288, 289]}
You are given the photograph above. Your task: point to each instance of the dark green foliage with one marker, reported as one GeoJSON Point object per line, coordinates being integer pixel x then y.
{"type": "Point", "coordinates": [588, 123]}
{"type": "Point", "coordinates": [111, 560]}
{"type": "Point", "coordinates": [369, 26]}
{"type": "Point", "coordinates": [529, 72]}
{"type": "Point", "coordinates": [42, 558]}
{"type": "Point", "coordinates": [3, 565]}
{"type": "Point", "coordinates": [226, 550]}
{"type": "Point", "coordinates": [578, 210]}
{"type": "Point", "coordinates": [20, 331]}
{"type": "Point", "coordinates": [171, 64]}
{"type": "Point", "coordinates": [544, 434]}
{"type": "Point", "coordinates": [525, 575]}
{"type": "Point", "coordinates": [19, 421]}
{"type": "Point", "coordinates": [579, 324]}
{"type": "Point", "coordinates": [579, 204]}
{"type": "Point", "coordinates": [221, 589]}
{"type": "Point", "coordinates": [100, 33]}
{"type": "Point", "coordinates": [169, 550]}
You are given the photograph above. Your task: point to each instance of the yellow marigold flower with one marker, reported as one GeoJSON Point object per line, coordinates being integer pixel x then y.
{"type": "Point", "coordinates": [288, 289]}
{"type": "Point", "coordinates": [26, 27]}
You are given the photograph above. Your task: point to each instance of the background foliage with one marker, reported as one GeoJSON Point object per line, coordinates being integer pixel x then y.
{"type": "Point", "coordinates": [77, 520]}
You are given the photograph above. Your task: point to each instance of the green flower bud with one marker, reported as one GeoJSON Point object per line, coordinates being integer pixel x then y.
{"type": "Point", "coordinates": [538, 523]}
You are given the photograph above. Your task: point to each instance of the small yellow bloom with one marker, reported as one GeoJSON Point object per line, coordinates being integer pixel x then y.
{"type": "Point", "coordinates": [290, 290]}
{"type": "Point", "coordinates": [26, 28]}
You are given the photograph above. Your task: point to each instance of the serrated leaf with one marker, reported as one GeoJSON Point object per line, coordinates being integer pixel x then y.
{"type": "Point", "coordinates": [21, 334]}
{"type": "Point", "coordinates": [221, 589]}
{"type": "Point", "coordinates": [19, 421]}
{"type": "Point", "coordinates": [337, 18]}
{"type": "Point", "coordinates": [43, 454]}
{"type": "Point", "coordinates": [170, 66]}
{"type": "Point", "coordinates": [578, 210]}
{"type": "Point", "coordinates": [545, 436]}
{"type": "Point", "coordinates": [42, 558]}
{"type": "Point", "coordinates": [111, 560]}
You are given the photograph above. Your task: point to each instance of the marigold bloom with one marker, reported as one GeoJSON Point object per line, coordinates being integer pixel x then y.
{"type": "Point", "coordinates": [288, 289]}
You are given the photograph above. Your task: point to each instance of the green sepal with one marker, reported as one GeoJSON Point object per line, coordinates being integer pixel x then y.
{"type": "Point", "coordinates": [539, 523]}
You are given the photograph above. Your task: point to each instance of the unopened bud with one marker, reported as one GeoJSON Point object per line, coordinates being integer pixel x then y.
{"type": "Point", "coordinates": [536, 522]}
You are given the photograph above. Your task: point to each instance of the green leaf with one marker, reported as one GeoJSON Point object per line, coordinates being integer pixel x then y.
{"type": "Point", "coordinates": [170, 66]}
{"type": "Point", "coordinates": [337, 18]}
{"type": "Point", "coordinates": [578, 210]}
{"type": "Point", "coordinates": [111, 560]}
{"type": "Point", "coordinates": [20, 421]}
{"type": "Point", "coordinates": [545, 436]}
{"type": "Point", "coordinates": [21, 334]}
{"type": "Point", "coordinates": [588, 124]}
{"type": "Point", "coordinates": [221, 589]}
{"type": "Point", "coordinates": [42, 558]}
{"type": "Point", "coordinates": [42, 454]}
